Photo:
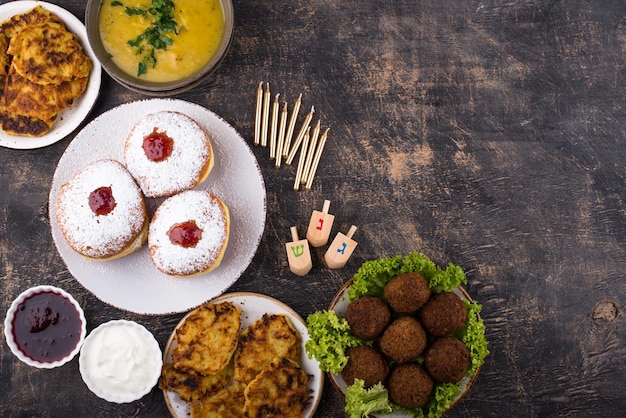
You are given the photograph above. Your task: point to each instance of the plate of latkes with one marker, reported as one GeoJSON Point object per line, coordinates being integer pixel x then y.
{"type": "Point", "coordinates": [63, 107]}
{"type": "Point", "coordinates": [133, 283]}
{"type": "Point", "coordinates": [296, 381]}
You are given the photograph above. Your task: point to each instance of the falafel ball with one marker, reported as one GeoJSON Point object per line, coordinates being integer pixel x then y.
{"type": "Point", "coordinates": [368, 317]}
{"type": "Point", "coordinates": [447, 360]}
{"type": "Point", "coordinates": [365, 363]}
{"type": "Point", "coordinates": [403, 340]}
{"type": "Point", "coordinates": [409, 385]}
{"type": "Point", "coordinates": [443, 314]}
{"type": "Point", "coordinates": [407, 292]}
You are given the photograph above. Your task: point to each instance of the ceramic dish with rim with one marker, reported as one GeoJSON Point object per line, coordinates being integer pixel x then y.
{"type": "Point", "coordinates": [339, 304]}
{"type": "Point", "coordinates": [120, 361]}
{"type": "Point", "coordinates": [133, 283]}
{"type": "Point", "coordinates": [45, 327]}
{"type": "Point", "coordinates": [253, 306]}
{"type": "Point", "coordinates": [69, 118]}
{"type": "Point", "coordinates": [155, 88]}
{"type": "Point", "coordinates": [371, 278]}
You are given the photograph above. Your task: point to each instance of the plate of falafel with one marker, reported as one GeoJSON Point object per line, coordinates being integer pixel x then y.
{"type": "Point", "coordinates": [401, 338]}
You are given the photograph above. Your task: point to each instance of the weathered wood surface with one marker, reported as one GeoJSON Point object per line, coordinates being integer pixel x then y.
{"type": "Point", "coordinates": [487, 133]}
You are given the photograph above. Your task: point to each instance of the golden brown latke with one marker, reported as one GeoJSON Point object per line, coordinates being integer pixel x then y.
{"type": "Point", "coordinates": [272, 336]}
{"type": "Point", "coordinates": [25, 98]}
{"type": "Point", "coordinates": [207, 338]}
{"type": "Point", "coordinates": [48, 54]}
{"type": "Point", "coordinates": [279, 391]}
{"type": "Point", "coordinates": [43, 70]}
{"type": "Point", "coordinates": [226, 403]}
{"type": "Point", "coordinates": [192, 386]}
{"type": "Point", "coordinates": [35, 16]}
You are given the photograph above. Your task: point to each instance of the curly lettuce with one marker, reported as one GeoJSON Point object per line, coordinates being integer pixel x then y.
{"type": "Point", "coordinates": [371, 278]}
{"type": "Point", "coordinates": [329, 338]}
{"type": "Point", "coordinates": [361, 402]}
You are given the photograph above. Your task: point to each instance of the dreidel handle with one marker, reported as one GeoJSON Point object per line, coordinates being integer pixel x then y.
{"type": "Point", "coordinates": [340, 249]}
{"type": "Point", "coordinates": [320, 226]}
{"type": "Point", "coordinates": [298, 254]}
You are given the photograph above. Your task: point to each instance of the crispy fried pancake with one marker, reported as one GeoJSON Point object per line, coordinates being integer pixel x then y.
{"type": "Point", "coordinates": [25, 98]}
{"type": "Point", "coordinates": [226, 403]}
{"type": "Point", "coordinates": [35, 16]}
{"type": "Point", "coordinates": [13, 124]}
{"type": "Point", "coordinates": [279, 391]}
{"type": "Point", "coordinates": [5, 60]}
{"type": "Point", "coordinates": [269, 337]}
{"type": "Point", "coordinates": [192, 386]}
{"type": "Point", "coordinates": [48, 54]}
{"type": "Point", "coordinates": [207, 338]}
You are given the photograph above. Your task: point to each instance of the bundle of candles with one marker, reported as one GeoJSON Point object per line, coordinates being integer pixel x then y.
{"type": "Point", "coordinates": [275, 128]}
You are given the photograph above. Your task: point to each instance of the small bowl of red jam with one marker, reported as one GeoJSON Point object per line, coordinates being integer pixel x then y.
{"type": "Point", "coordinates": [45, 327]}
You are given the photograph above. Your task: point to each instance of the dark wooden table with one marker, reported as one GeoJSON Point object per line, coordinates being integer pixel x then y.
{"type": "Point", "coordinates": [490, 134]}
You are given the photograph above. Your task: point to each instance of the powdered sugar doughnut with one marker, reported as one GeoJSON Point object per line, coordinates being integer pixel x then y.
{"type": "Point", "coordinates": [101, 211]}
{"type": "Point", "coordinates": [168, 152]}
{"type": "Point", "coordinates": [189, 233]}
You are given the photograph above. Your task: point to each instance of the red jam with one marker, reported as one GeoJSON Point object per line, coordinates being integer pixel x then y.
{"type": "Point", "coordinates": [46, 327]}
{"type": "Point", "coordinates": [186, 234]}
{"type": "Point", "coordinates": [101, 201]}
{"type": "Point", "coordinates": [158, 146]}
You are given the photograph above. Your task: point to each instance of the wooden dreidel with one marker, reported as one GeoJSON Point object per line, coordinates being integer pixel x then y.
{"type": "Point", "coordinates": [320, 225]}
{"type": "Point", "coordinates": [298, 254]}
{"type": "Point", "coordinates": [340, 249]}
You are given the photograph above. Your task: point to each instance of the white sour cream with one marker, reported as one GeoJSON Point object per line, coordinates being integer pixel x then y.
{"type": "Point", "coordinates": [120, 361]}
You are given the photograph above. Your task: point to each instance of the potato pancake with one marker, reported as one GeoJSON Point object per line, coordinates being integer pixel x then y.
{"type": "Point", "coordinates": [272, 336]}
{"type": "Point", "coordinates": [207, 338]}
{"type": "Point", "coordinates": [25, 98]}
{"type": "Point", "coordinates": [5, 61]}
{"type": "Point", "coordinates": [35, 16]}
{"type": "Point", "coordinates": [279, 391]}
{"type": "Point", "coordinates": [43, 70]}
{"type": "Point", "coordinates": [14, 124]}
{"type": "Point", "coordinates": [192, 386]}
{"type": "Point", "coordinates": [226, 403]}
{"type": "Point", "coordinates": [48, 54]}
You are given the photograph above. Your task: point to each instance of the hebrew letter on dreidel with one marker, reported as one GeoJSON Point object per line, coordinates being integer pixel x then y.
{"type": "Point", "coordinates": [340, 249]}
{"type": "Point", "coordinates": [298, 254]}
{"type": "Point", "coordinates": [320, 225]}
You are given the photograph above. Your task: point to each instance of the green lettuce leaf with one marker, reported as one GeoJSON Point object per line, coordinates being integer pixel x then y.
{"type": "Point", "coordinates": [361, 402]}
{"type": "Point", "coordinates": [329, 337]}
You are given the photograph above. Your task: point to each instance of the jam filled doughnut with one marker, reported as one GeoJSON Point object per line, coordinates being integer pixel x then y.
{"type": "Point", "coordinates": [189, 233]}
{"type": "Point", "coordinates": [168, 152]}
{"type": "Point", "coordinates": [101, 212]}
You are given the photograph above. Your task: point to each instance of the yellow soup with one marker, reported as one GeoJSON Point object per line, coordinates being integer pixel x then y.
{"type": "Point", "coordinates": [200, 26]}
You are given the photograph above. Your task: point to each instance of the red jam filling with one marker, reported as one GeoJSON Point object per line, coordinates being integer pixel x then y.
{"type": "Point", "coordinates": [186, 234]}
{"type": "Point", "coordinates": [46, 327]}
{"type": "Point", "coordinates": [101, 201]}
{"type": "Point", "coordinates": [158, 146]}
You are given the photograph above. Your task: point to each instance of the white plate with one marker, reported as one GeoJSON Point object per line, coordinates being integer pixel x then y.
{"type": "Point", "coordinates": [133, 283]}
{"type": "Point", "coordinates": [68, 119]}
{"type": "Point", "coordinates": [339, 304]}
{"type": "Point", "coordinates": [253, 306]}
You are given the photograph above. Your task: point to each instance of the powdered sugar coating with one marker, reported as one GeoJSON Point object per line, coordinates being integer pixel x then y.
{"type": "Point", "coordinates": [183, 169]}
{"type": "Point", "coordinates": [101, 236]}
{"type": "Point", "coordinates": [210, 215]}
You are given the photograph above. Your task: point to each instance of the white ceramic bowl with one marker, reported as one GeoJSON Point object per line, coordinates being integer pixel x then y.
{"type": "Point", "coordinates": [120, 361]}
{"type": "Point", "coordinates": [10, 333]}
{"type": "Point", "coordinates": [157, 88]}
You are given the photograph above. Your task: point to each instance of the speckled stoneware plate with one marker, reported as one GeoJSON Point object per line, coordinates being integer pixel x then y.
{"type": "Point", "coordinates": [68, 119]}
{"type": "Point", "coordinates": [253, 306]}
{"type": "Point", "coordinates": [339, 304]}
{"type": "Point", "coordinates": [133, 283]}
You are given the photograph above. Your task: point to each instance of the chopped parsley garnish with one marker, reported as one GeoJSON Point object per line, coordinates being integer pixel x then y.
{"type": "Point", "coordinates": [158, 35]}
